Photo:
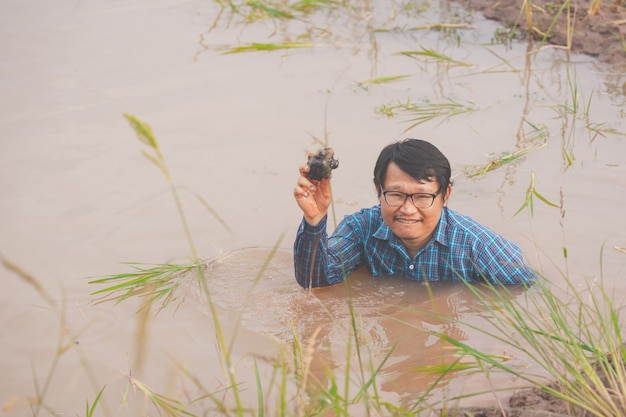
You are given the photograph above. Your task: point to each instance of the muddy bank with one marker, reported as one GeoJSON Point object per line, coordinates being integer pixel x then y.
{"type": "Point", "coordinates": [601, 35]}
{"type": "Point", "coordinates": [523, 403]}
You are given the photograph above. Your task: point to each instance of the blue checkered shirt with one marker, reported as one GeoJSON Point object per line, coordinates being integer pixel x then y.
{"type": "Point", "coordinates": [460, 249]}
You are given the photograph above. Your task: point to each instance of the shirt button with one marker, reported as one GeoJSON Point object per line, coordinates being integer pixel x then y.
{"type": "Point", "coordinates": [411, 267]}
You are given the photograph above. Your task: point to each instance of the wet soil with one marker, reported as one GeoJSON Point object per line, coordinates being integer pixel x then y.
{"type": "Point", "coordinates": [524, 403]}
{"type": "Point", "coordinates": [601, 35]}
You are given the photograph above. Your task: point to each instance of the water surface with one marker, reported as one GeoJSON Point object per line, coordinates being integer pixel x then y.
{"type": "Point", "coordinates": [78, 198]}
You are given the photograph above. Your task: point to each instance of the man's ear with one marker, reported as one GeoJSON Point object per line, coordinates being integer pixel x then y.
{"type": "Point", "coordinates": [446, 195]}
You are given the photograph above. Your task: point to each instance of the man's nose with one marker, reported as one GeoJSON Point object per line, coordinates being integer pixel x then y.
{"type": "Point", "coordinates": [408, 206]}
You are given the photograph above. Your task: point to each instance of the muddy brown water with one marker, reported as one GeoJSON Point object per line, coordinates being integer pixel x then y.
{"type": "Point", "coordinates": [78, 198]}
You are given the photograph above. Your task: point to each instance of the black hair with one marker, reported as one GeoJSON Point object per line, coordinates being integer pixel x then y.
{"type": "Point", "coordinates": [418, 158]}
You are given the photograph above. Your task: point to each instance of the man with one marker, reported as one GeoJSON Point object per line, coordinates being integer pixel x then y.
{"type": "Point", "coordinates": [411, 233]}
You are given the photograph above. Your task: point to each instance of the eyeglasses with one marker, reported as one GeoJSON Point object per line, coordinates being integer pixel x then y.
{"type": "Point", "coordinates": [420, 200]}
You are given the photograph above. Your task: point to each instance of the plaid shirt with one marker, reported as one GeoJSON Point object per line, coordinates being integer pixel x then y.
{"type": "Point", "coordinates": [460, 249]}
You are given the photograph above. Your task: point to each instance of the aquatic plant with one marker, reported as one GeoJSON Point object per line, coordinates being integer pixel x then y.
{"type": "Point", "coordinates": [381, 80]}
{"type": "Point", "coordinates": [532, 192]}
{"type": "Point", "coordinates": [572, 334]}
{"type": "Point", "coordinates": [264, 47]}
{"type": "Point", "coordinates": [426, 111]}
{"type": "Point", "coordinates": [501, 160]}
{"type": "Point", "coordinates": [159, 282]}
{"type": "Point", "coordinates": [432, 54]}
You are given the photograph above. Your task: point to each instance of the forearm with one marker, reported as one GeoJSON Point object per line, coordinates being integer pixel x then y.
{"type": "Point", "coordinates": [310, 254]}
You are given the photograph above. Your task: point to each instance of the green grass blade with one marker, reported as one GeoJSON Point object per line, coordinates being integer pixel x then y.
{"type": "Point", "coordinates": [259, 391]}
{"type": "Point", "coordinates": [430, 53]}
{"type": "Point", "coordinates": [270, 11]}
{"type": "Point", "coordinates": [90, 410]}
{"type": "Point", "coordinates": [265, 47]}
{"type": "Point", "coordinates": [382, 80]}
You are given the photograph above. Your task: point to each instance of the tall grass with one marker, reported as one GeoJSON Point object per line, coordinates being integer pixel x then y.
{"type": "Point", "coordinates": [573, 336]}
{"type": "Point", "coordinates": [160, 281]}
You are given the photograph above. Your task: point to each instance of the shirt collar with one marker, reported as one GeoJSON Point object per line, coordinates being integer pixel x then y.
{"type": "Point", "coordinates": [440, 234]}
{"type": "Point", "coordinates": [383, 232]}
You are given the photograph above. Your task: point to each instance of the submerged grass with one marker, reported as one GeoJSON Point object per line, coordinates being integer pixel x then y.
{"type": "Point", "coordinates": [501, 160]}
{"type": "Point", "coordinates": [382, 80]}
{"type": "Point", "coordinates": [532, 192]}
{"type": "Point", "coordinates": [433, 55]}
{"type": "Point", "coordinates": [265, 47]}
{"type": "Point", "coordinates": [426, 111]}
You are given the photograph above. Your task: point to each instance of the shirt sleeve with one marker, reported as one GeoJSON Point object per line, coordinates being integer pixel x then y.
{"type": "Point", "coordinates": [500, 261]}
{"type": "Point", "coordinates": [321, 261]}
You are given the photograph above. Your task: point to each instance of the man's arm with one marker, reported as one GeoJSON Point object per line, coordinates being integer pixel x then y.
{"type": "Point", "coordinates": [320, 261]}
{"type": "Point", "coordinates": [501, 262]}
{"type": "Point", "coordinates": [311, 245]}
{"type": "Point", "coordinates": [309, 254]}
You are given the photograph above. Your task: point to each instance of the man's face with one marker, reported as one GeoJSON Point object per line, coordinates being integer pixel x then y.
{"type": "Point", "coordinates": [414, 226]}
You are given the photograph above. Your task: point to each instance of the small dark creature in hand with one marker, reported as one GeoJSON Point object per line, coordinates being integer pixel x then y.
{"type": "Point", "coordinates": [321, 164]}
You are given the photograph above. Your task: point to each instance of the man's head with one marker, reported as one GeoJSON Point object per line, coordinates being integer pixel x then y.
{"type": "Point", "coordinates": [412, 179]}
{"type": "Point", "coordinates": [418, 158]}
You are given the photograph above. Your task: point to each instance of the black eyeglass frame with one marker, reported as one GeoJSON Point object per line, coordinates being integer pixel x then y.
{"type": "Point", "coordinates": [384, 193]}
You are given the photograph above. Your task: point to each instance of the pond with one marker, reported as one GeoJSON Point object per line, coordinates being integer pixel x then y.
{"type": "Point", "coordinates": [236, 94]}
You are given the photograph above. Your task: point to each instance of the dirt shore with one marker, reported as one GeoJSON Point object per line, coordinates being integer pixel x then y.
{"type": "Point", "coordinates": [601, 35]}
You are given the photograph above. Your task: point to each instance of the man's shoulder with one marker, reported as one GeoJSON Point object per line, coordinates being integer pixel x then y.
{"type": "Point", "coordinates": [462, 224]}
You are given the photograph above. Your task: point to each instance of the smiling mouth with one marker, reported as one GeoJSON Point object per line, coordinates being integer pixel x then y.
{"type": "Point", "coordinates": [407, 221]}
